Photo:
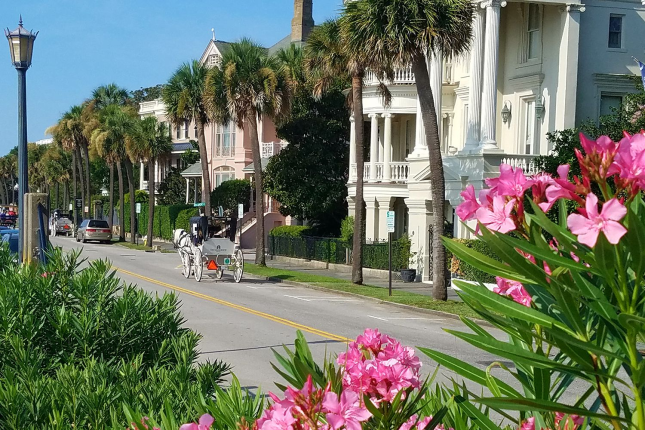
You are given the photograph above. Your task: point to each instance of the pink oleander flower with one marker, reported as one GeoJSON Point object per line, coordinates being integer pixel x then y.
{"type": "Point", "coordinates": [498, 218]}
{"type": "Point", "coordinates": [571, 422]}
{"type": "Point", "coordinates": [466, 210]}
{"type": "Point", "coordinates": [528, 424]}
{"type": "Point", "coordinates": [603, 146]}
{"type": "Point", "coordinates": [205, 423]}
{"type": "Point", "coordinates": [587, 227]}
{"type": "Point", "coordinates": [629, 162]}
{"type": "Point", "coordinates": [513, 289]}
{"type": "Point", "coordinates": [560, 188]}
{"type": "Point", "coordinates": [275, 418]}
{"type": "Point", "coordinates": [348, 412]}
{"type": "Point", "coordinates": [370, 339]}
{"type": "Point", "coordinates": [512, 182]}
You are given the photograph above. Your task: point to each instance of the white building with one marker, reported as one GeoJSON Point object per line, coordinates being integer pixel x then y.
{"type": "Point", "coordinates": [533, 68]}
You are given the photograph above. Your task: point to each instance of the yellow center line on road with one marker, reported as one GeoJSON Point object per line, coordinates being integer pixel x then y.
{"type": "Point", "coordinates": [239, 307]}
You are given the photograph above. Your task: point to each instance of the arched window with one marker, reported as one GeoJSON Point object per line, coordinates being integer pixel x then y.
{"type": "Point", "coordinates": [223, 174]}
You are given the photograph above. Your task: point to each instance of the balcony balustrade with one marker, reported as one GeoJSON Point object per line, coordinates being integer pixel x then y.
{"type": "Point", "coordinates": [526, 162]}
{"type": "Point", "coordinates": [269, 149]}
{"type": "Point", "coordinates": [400, 171]}
{"type": "Point", "coordinates": [402, 75]}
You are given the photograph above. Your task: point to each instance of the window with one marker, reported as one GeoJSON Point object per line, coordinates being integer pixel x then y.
{"type": "Point", "coordinates": [185, 129]}
{"type": "Point", "coordinates": [529, 127]}
{"type": "Point", "coordinates": [223, 174]}
{"type": "Point", "coordinates": [179, 163]}
{"type": "Point", "coordinates": [465, 122]}
{"type": "Point", "coordinates": [533, 31]}
{"type": "Point", "coordinates": [609, 103]}
{"type": "Point", "coordinates": [98, 224]}
{"type": "Point", "coordinates": [178, 132]}
{"type": "Point", "coordinates": [445, 126]}
{"type": "Point", "coordinates": [615, 32]}
{"type": "Point", "coordinates": [195, 132]}
{"type": "Point", "coordinates": [225, 140]}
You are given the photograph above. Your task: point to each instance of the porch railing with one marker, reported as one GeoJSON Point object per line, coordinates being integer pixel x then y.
{"type": "Point", "coordinates": [526, 162]}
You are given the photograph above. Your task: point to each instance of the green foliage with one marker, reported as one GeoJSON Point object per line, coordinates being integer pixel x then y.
{"type": "Point", "coordinates": [140, 196]}
{"type": "Point", "coordinates": [173, 188]}
{"type": "Point", "coordinates": [230, 194]}
{"type": "Point", "coordinates": [76, 344]}
{"type": "Point", "coordinates": [183, 218]}
{"type": "Point", "coordinates": [347, 230]}
{"type": "Point", "coordinates": [146, 94]}
{"type": "Point", "coordinates": [167, 219]}
{"type": "Point", "coordinates": [376, 255]}
{"type": "Point", "coordinates": [309, 176]}
{"type": "Point", "coordinates": [290, 231]}
{"type": "Point", "coordinates": [466, 271]}
{"type": "Point", "coordinates": [584, 327]}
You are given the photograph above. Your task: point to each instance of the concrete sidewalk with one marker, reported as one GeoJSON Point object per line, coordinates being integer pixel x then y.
{"type": "Point", "coordinates": [415, 287]}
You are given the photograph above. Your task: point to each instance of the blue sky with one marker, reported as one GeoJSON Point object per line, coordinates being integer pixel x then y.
{"type": "Point", "coordinates": [136, 43]}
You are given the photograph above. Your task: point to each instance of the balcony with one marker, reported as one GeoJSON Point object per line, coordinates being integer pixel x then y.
{"type": "Point", "coordinates": [526, 162]}
{"type": "Point", "coordinates": [152, 107]}
{"type": "Point", "coordinates": [402, 76]}
{"type": "Point", "coordinates": [399, 172]}
{"type": "Point", "coordinates": [269, 149]}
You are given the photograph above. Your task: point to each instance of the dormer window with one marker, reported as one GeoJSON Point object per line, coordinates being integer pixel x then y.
{"type": "Point", "coordinates": [214, 60]}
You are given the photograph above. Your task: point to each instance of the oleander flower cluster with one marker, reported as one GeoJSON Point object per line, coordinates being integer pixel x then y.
{"type": "Point", "coordinates": [613, 173]}
{"type": "Point", "coordinates": [379, 366]}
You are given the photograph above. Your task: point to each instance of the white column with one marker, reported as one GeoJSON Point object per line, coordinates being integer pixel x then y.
{"type": "Point", "coordinates": [187, 189]}
{"type": "Point", "coordinates": [141, 171]}
{"type": "Point", "coordinates": [352, 150]}
{"type": "Point", "coordinates": [387, 150]}
{"type": "Point", "coordinates": [371, 219]}
{"type": "Point", "coordinates": [381, 143]}
{"type": "Point", "coordinates": [420, 144]}
{"type": "Point", "coordinates": [475, 90]}
{"type": "Point", "coordinates": [373, 146]}
{"type": "Point", "coordinates": [568, 67]}
{"type": "Point", "coordinates": [436, 81]}
{"type": "Point", "coordinates": [419, 221]}
{"type": "Point", "coordinates": [489, 91]}
{"type": "Point", "coordinates": [450, 116]}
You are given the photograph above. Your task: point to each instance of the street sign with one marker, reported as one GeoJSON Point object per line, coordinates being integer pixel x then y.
{"type": "Point", "coordinates": [199, 205]}
{"type": "Point", "coordinates": [138, 208]}
{"type": "Point", "coordinates": [240, 211]}
{"type": "Point", "coordinates": [390, 221]}
{"type": "Point", "coordinates": [87, 209]}
{"type": "Point", "coordinates": [71, 206]}
{"type": "Point", "coordinates": [79, 203]}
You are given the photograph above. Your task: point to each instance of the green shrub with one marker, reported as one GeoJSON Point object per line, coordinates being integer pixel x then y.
{"type": "Point", "coordinates": [290, 231]}
{"type": "Point", "coordinates": [184, 216]}
{"type": "Point", "coordinates": [465, 270]}
{"type": "Point", "coordinates": [140, 196]}
{"type": "Point", "coordinates": [347, 230]}
{"type": "Point", "coordinates": [77, 345]}
{"type": "Point", "coordinates": [230, 194]}
{"type": "Point", "coordinates": [167, 219]}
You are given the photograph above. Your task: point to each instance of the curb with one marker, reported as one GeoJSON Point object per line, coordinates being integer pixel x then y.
{"type": "Point", "coordinates": [373, 299]}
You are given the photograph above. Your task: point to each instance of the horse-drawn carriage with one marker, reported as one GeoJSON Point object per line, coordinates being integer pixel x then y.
{"type": "Point", "coordinates": [211, 244]}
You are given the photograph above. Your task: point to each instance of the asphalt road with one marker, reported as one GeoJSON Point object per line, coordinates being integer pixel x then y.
{"type": "Point", "coordinates": [240, 323]}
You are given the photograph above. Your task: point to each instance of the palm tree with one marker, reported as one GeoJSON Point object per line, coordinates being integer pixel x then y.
{"type": "Point", "coordinates": [110, 140]}
{"type": "Point", "coordinates": [326, 59]}
{"type": "Point", "coordinates": [292, 60]}
{"type": "Point", "coordinates": [252, 84]}
{"type": "Point", "coordinates": [149, 142]}
{"type": "Point", "coordinates": [184, 100]}
{"type": "Point", "coordinates": [406, 32]}
{"type": "Point", "coordinates": [102, 97]}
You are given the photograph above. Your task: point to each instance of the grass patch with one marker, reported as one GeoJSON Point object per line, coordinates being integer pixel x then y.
{"type": "Point", "coordinates": [140, 247]}
{"type": "Point", "coordinates": [334, 284]}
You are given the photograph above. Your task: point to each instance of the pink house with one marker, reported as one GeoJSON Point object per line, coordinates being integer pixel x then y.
{"type": "Point", "coordinates": [228, 146]}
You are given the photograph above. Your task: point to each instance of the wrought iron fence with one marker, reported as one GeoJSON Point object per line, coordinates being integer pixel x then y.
{"type": "Point", "coordinates": [335, 251]}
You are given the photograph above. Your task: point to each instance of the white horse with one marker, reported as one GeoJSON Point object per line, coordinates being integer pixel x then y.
{"type": "Point", "coordinates": [183, 245]}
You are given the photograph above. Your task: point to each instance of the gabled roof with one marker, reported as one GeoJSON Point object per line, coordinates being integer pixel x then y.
{"type": "Point", "coordinates": [214, 47]}
{"type": "Point", "coordinates": [285, 42]}
{"type": "Point", "coordinates": [181, 146]}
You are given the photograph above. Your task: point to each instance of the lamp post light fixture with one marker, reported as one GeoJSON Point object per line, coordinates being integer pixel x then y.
{"type": "Point", "coordinates": [21, 46]}
{"type": "Point", "coordinates": [506, 112]}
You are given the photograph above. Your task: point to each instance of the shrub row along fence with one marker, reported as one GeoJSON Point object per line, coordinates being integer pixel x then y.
{"type": "Point", "coordinates": [167, 219]}
{"type": "Point", "coordinates": [336, 251]}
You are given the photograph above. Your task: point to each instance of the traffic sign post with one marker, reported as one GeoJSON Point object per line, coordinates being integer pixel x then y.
{"type": "Point", "coordinates": [390, 229]}
{"type": "Point", "coordinates": [137, 209]}
{"type": "Point", "coordinates": [199, 205]}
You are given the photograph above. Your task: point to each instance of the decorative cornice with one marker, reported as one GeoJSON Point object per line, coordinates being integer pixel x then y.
{"type": "Point", "coordinates": [462, 92]}
{"type": "Point", "coordinates": [526, 81]}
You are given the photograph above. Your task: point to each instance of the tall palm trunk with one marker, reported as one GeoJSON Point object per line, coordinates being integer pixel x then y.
{"type": "Point", "coordinates": [437, 184]}
{"type": "Point", "coordinates": [81, 180]}
{"type": "Point", "coordinates": [111, 204]}
{"type": "Point", "coordinates": [133, 215]}
{"type": "Point", "coordinates": [65, 196]}
{"type": "Point", "coordinates": [119, 172]}
{"type": "Point", "coordinates": [359, 211]}
{"type": "Point", "coordinates": [86, 160]}
{"type": "Point", "coordinates": [259, 197]}
{"type": "Point", "coordinates": [151, 199]}
{"type": "Point", "coordinates": [203, 155]}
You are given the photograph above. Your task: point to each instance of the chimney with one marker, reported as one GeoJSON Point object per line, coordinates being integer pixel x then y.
{"type": "Point", "coordinates": [303, 20]}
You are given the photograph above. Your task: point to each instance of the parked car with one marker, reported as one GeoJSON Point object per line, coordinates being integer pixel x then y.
{"type": "Point", "coordinates": [10, 237]}
{"type": "Point", "coordinates": [62, 224]}
{"type": "Point", "coordinates": [94, 229]}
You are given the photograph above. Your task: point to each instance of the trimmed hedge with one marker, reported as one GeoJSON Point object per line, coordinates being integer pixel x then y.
{"type": "Point", "coordinates": [467, 272]}
{"type": "Point", "coordinates": [290, 231]}
{"type": "Point", "coordinates": [167, 219]}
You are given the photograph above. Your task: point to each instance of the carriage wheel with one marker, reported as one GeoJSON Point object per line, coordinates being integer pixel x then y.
{"type": "Point", "coordinates": [185, 258]}
{"type": "Point", "coordinates": [219, 273]}
{"type": "Point", "coordinates": [238, 271]}
{"type": "Point", "coordinates": [198, 261]}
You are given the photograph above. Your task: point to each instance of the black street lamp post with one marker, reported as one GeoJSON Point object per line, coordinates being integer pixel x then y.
{"type": "Point", "coordinates": [21, 45]}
